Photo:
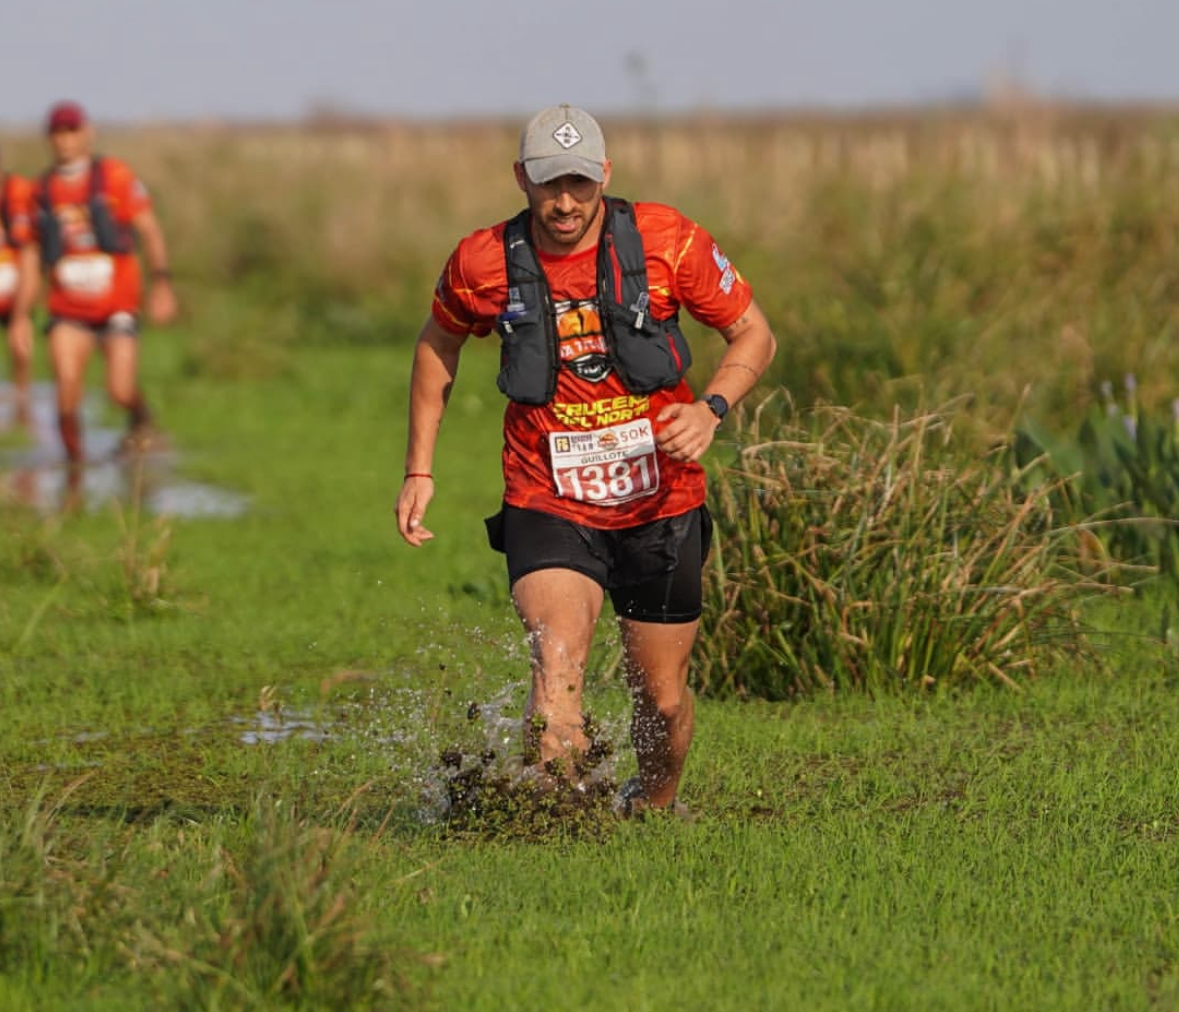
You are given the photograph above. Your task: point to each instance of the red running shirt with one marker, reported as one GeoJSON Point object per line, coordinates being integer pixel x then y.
{"type": "Point", "coordinates": [15, 230]}
{"type": "Point", "coordinates": [87, 284]}
{"type": "Point", "coordinates": [589, 454]}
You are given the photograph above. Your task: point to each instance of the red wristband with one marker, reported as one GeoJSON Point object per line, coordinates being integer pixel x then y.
{"type": "Point", "coordinates": [419, 474]}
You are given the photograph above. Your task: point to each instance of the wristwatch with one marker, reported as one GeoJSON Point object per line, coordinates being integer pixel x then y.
{"type": "Point", "coordinates": [717, 405]}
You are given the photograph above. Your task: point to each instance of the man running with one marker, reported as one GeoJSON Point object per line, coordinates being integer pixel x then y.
{"type": "Point", "coordinates": [15, 196]}
{"type": "Point", "coordinates": [89, 210]}
{"type": "Point", "coordinates": [602, 433]}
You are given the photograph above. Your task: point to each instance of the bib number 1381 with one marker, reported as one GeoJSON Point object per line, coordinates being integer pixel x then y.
{"type": "Point", "coordinates": [606, 466]}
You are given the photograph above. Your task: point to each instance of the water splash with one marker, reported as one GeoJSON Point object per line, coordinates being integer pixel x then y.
{"type": "Point", "coordinates": [453, 762]}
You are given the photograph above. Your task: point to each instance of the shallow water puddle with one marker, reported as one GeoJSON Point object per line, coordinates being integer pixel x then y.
{"type": "Point", "coordinates": [33, 470]}
{"type": "Point", "coordinates": [455, 764]}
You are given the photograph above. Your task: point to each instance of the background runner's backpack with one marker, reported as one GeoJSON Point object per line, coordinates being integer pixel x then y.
{"type": "Point", "coordinates": [109, 235]}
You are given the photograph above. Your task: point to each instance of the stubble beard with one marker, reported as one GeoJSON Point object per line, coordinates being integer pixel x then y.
{"type": "Point", "coordinates": [569, 240]}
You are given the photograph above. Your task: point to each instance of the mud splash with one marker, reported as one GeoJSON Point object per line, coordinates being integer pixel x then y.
{"type": "Point", "coordinates": [483, 783]}
{"type": "Point", "coordinates": [34, 473]}
{"type": "Point", "coordinates": [502, 790]}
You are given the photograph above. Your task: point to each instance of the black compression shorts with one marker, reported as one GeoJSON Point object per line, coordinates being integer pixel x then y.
{"type": "Point", "coordinates": [126, 324]}
{"type": "Point", "coordinates": [651, 572]}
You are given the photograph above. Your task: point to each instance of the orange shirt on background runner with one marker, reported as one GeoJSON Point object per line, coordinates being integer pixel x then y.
{"type": "Point", "coordinates": [87, 284]}
{"type": "Point", "coordinates": [588, 454]}
{"type": "Point", "coordinates": [15, 230]}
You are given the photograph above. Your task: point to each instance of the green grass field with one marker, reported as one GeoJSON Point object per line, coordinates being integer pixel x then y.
{"type": "Point", "coordinates": [220, 775]}
{"type": "Point", "coordinates": [993, 850]}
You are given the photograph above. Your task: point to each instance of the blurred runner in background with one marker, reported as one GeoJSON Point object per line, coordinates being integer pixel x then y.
{"type": "Point", "coordinates": [15, 231]}
{"type": "Point", "coordinates": [602, 433]}
{"type": "Point", "coordinates": [88, 212]}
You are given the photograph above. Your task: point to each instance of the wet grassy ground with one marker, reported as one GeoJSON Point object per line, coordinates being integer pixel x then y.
{"type": "Point", "coordinates": [220, 772]}
{"type": "Point", "coordinates": [953, 855]}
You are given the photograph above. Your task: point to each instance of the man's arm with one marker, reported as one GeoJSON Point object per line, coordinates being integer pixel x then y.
{"type": "Point", "coordinates": [161, 297]}
{"type": "Point", "coordinates": [28, 286]}
{"type": "Point", "coordinates": [686, 430]}
{"type": "Point", "coordinates": [435, 366]}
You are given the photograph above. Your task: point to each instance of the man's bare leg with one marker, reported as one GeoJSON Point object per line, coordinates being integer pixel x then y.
{"type": "Point", "coordinates": [559, 609]}
{"type": "Point", "coordinates": [22, 382]}
{"type": "Point", "coordinates": [122, 378]}
{"type": "Point", "coordinates": [663, 720]}
{"type": "Point", "coordinates": [69, 351]}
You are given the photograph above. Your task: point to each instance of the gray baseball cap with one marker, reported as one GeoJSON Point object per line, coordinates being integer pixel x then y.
{"type": "Point", "coordinates": [563, 141]}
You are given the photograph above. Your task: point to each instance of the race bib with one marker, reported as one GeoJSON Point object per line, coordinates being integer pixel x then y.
{"type": "Point", "coordinates": [605, 466]}
{"type": "Point", "coordinates": [86, 273]}
{"type": "Point", "coordinates": [8, 276]}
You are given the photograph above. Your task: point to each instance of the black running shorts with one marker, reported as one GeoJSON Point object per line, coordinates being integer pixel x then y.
{"type": "Point", "coordinates": [123, 324]}
{"type": "Point", "coordinates": [652, 572]}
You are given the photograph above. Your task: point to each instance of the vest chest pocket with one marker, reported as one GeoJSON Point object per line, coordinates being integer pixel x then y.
{"type": "Point", "coordinates": [528, 367]}
{"type": "Point", "coordinates": [650, 359]}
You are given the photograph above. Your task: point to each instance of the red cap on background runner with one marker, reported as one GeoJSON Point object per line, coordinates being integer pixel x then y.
{"type": "Point", "coordinates": [66, 116]}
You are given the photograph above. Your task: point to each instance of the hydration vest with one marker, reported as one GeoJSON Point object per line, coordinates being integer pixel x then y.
{"type": "Point", "coordinates": [109, 235]}
{"type": "Point", "coordinates": [646, 353]}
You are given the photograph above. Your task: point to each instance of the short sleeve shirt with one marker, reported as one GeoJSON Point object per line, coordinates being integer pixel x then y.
{"type": "Point", "coordinates": [88, 284]}
{"type": "Point", "coordinates": [588, 455]}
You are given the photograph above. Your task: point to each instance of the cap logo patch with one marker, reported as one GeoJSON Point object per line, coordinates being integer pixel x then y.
{"type": "Point", "coordinates": [566, 135]}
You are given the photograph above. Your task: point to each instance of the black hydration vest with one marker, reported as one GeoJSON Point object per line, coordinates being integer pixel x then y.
{"type": "Point", "coordinates": [109, 235]}
{"type": "Point", "coordinates": [647, 354]}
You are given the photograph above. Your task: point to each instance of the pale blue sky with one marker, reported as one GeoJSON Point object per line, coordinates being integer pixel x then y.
{"type": "Point", "coordinates": [132, 60]}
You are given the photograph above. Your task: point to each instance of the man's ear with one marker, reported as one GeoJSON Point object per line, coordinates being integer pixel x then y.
{"type": "Point", "coordinates": [521, 178]}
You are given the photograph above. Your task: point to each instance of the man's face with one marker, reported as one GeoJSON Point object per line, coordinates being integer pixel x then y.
{"type": "Point", "coordinates": [70, 145]}
{"type": "Point", "coordinates": [564, 209]}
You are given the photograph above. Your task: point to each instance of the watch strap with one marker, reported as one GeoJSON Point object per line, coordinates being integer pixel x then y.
{"type": "Point", "coordinates": [717, 405]}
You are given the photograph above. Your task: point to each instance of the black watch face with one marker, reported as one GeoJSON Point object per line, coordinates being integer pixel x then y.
{"type": "Point", "coordinates": [719, 405]}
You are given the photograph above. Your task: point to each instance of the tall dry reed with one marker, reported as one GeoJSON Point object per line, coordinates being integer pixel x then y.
{"type": "Point", "coordinates": [853, 554]}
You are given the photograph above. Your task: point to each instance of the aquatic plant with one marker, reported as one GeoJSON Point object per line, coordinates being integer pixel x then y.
{"type": "Point", "coordinates": [1122, 465]}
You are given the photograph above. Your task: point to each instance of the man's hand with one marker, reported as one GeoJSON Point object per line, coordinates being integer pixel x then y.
{"type": "Point", "coordinates": [685, 431]}
{"type": "Point", "coordinates": [161, 302]}
{"type": "Point", "coordinates": [415, 496]}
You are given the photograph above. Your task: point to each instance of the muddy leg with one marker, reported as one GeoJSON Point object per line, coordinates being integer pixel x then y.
{"type": "Point", "coordinates": [559, 609]}
{"type": "Point", "coordinates": [70, 347]}
{"type": "Point", "coordinates": [664, 713]}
